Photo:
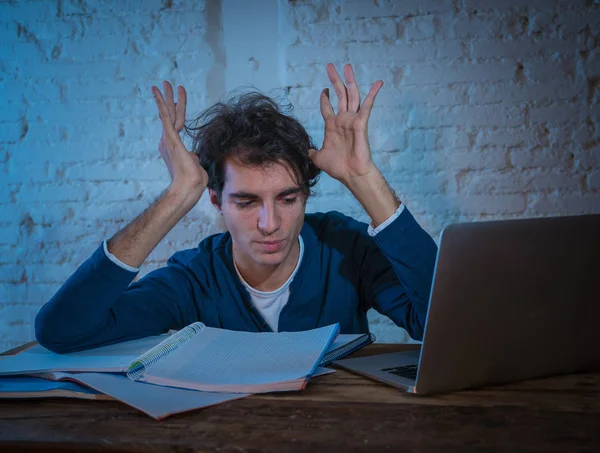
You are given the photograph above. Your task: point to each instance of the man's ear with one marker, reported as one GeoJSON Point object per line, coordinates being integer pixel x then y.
{"type": "Point", "coordinates": [214, 199]}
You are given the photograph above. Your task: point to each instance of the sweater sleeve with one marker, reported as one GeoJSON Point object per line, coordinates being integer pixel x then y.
{"type": "Point", "coordinates": [98, 305]}
{"type": "Point", "coordinates": [398, 284]}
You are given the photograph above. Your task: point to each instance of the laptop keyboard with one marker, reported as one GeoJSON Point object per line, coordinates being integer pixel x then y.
{"type": "Point", "coordinates": [406, 371]}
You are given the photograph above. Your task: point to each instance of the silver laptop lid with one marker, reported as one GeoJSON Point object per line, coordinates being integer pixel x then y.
{"type": "Point", "coordinates": [512, 300]}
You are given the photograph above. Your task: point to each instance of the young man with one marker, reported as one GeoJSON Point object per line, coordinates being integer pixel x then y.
{"type": "Point", "coordinates": [276, 268]}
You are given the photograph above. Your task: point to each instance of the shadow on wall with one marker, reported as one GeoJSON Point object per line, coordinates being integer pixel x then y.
{"type": "Point", "coordinates": [455, 178]}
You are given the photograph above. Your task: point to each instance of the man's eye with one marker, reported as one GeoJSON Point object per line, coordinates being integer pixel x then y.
{"type": "Point", "coordinates": [291, 200]}
{"type": "Point", "coordinates": [244, 204]}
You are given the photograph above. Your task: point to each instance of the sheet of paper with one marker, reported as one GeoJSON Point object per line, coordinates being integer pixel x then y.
{"type": "Point", "coordinates": [156, 401]}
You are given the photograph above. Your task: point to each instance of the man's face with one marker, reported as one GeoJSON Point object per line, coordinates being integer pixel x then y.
{"type": "Point", "coordinates": [263, 208]}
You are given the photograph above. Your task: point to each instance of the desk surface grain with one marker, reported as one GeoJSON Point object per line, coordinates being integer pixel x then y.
{"type": "Point", "coordinates": [337, 412]}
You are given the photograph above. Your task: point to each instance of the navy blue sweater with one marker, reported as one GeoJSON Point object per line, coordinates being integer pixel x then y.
{"type": "Point", "coordinates": [344, 273]}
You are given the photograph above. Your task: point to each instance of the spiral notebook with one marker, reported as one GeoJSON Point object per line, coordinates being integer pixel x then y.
{"type": "Point", "coordinates": [217, 360]}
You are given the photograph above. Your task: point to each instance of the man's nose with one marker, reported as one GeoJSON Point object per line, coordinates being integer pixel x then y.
{"type": "Point", "coordinates": [268, 219]}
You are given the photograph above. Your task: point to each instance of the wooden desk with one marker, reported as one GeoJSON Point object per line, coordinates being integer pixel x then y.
{"type": "Point", "coordinates": [338, 412]}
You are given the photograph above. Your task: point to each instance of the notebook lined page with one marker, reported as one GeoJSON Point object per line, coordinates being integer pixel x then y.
{"type": "Point", "coordinates": [224, 357]}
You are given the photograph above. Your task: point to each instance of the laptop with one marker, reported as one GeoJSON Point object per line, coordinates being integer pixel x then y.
{"type": "Point", "coordinates": [511, 300]}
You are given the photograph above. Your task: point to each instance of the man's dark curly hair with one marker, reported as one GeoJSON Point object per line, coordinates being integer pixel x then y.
{"type": "Point", "coordinates": [256, 130]}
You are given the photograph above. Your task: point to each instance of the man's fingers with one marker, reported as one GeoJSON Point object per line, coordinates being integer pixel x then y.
{"type": "Point", "coordinates": [163, 111]}
{"type": "Point", "coordinates": [326, 107]}
{"type": "Point", "coordinates": [180, 108]}
{"type": "Point", "coordinates": [365, 110]}
{"type": "Point", "coordinates": [169, 99]}
{"type": "Point", "coordinates": [167, 123]}
{"type": "Point", "coordinates": [352, 89]}
{"type": "Point", "coordinates": [339, 87]}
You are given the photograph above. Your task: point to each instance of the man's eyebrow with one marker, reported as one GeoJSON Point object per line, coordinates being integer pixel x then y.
{"type": "Point", "coordinates": [242, 195]}
{"type": "Point", "coordinates": [248, 195]}
{"type": "Point", "coordinates": [290, 191]}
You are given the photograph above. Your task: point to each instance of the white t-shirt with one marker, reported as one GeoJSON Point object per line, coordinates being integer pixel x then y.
{"type": "Point", "coordinates": [270, 303]}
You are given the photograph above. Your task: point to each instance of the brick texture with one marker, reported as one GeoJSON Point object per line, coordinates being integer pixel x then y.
{"type": "Point", "coordinates": [489, 110]}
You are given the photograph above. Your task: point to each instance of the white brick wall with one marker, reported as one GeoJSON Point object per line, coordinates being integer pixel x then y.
{"type": "Point", "coordinates": [489, 110]}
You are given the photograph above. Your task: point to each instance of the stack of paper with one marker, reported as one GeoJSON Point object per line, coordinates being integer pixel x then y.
{"type": "Point", "coordinates": [211, 367]}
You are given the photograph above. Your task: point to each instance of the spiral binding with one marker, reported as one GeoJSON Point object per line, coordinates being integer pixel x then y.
{"type": "Point", "coordinates": [139, 366]}
{"type": "Point", "coordinates": [348, 348]}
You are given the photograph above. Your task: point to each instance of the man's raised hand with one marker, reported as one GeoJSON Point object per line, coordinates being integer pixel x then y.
{"type": "Point", "coordinates": [346, 153]}
{"type": "Point", "coordinates": [187, 175]}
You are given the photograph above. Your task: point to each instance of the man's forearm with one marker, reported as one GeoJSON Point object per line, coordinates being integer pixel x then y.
{"type": "Point", "coordinates": [375, 195]}
{"type": "Point", "coordinates": [135, 242]}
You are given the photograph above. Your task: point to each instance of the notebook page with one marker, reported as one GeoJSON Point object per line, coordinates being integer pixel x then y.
{"type": "Point", "coordinates": [115, 357]}
{"type": "Point", "coordinates": [156, 401]}
{"type": "Point", "coordinates": [224, 357]}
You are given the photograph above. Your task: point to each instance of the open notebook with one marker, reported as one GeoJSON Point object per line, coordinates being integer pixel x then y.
{"type": "Point", "coordinates": [197, 357]}
{"type": "Point", "coordinates": [114, 358]}
{"type": "Point", "coordinates": [217, 360]}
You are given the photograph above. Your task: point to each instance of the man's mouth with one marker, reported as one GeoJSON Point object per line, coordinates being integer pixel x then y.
{"type": "Point", "coordinates": [271, 246]}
